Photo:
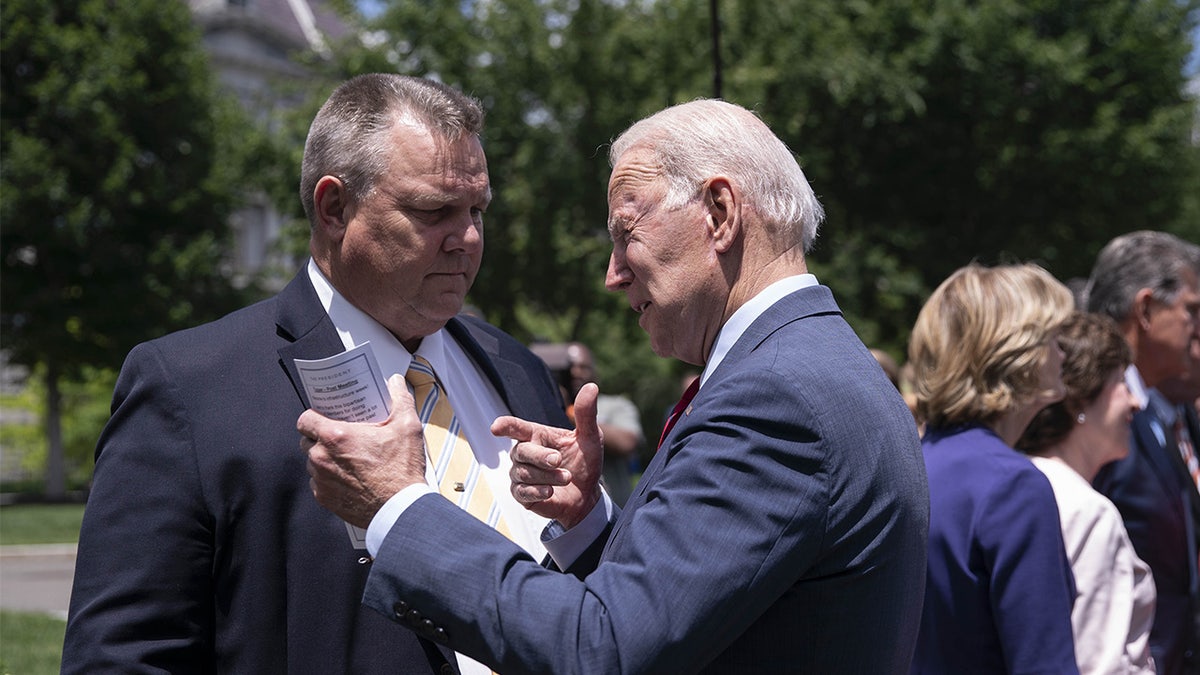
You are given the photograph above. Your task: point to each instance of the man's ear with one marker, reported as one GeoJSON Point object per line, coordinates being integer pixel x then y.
{"type": "Point", "coordinates": [331, 203]}
{"type": "Point", "coordinates": [1143, 305]}
{"type": "Point", "coordinates": [724, 212]}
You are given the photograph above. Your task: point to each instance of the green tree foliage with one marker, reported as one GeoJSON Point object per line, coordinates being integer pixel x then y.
{"type": "Point", "coordinates": [119, 173]}
{"type": "Point", "coordinates": [936, 133]}
{"type": "Point", "coordinates": [559, 80]}
{"type": "Point", "coordinates": [23, 436]}
{"type": "Point", "coordinates": [944, 132]}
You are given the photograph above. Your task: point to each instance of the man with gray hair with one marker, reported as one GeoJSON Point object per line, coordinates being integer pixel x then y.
{"type": "Point", "coordinates": [1149, 283]}
{"type": "Point", "coordinates": [782, 524]}
{"type": "Point", "coordinates": [201, 549]}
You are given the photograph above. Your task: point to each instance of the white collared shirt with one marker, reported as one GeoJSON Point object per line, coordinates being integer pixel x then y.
{"type": "Point", "coordinates": [476, 404]}
{"type": "Point", "coordinates": [1137, 386]}
{"type": "Point", "coordinates": [475, 401]}
{"type": "Point", "coordinates": [745, 315]}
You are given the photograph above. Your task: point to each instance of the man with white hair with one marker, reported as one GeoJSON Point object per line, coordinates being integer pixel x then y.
{"type": "Point", "coordinates": [782, 524]}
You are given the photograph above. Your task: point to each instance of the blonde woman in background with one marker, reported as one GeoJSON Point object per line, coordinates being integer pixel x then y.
{"type": "Point", "coordinates": [1070, 441]}
{"type": "Point", "coordinates": [985, 360]}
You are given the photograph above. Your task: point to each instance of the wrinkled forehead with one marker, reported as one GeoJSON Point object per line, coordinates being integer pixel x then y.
{"type": "Point", "coordinates": [634, 173]}
{"type": "Point", "coordinates": [446, 168]}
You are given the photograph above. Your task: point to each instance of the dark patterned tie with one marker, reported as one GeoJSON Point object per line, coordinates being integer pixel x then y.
{"type": "Point", "coordinates": [1187, 449]}
{"type": "Point", "coordinates": [678, 410]}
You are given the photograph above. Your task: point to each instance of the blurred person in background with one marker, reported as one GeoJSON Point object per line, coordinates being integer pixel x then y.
{"type": "Point", "coordinates": [1183, 421]}
{"type": "Point", "coordinates": [1070, 441]}
{"type": "Point", "coordinates": [889, 366]}
{"type": "Point", "coordinates": [1149, 283]}
{"type": "Point", "coordinates": [620, 423]}
{"type": "Point", "coordinates": [999, 589]}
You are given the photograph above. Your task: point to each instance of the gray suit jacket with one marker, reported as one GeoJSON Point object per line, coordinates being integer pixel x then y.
{"type": "Point", "coordinates": [780, 528]}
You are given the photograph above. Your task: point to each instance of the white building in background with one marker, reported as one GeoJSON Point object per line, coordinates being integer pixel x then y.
{"type": "Point", "coordinates": [256, 48]}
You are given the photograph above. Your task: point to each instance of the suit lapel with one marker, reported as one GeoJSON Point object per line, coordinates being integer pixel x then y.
{"type": "Point", "coordinates": [506, 375]}
{"type": "Point", "coordinates": [309, 333]}
{"type": "Point", "coordinates": [1168, 469]}
{"type": "Point", "coordinates": [302, 322]}
{"type": "Point", "coordinates": [804, 303]}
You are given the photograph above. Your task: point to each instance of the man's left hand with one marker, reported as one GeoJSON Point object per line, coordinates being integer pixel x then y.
{"type": "Point", "coordinates": [356, 467]}
{"type": "Point", "coordinates": [556, 472]}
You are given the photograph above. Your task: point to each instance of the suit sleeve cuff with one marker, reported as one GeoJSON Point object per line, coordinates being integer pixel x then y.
{"type": "Point", "coordinates": [383, 521]}
{"type": "Point", "coordinates": [565, 546]}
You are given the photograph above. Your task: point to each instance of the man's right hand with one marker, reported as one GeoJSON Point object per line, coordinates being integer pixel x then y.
{"type": "Point", "coordinates": [355, 467]}
{"type": "Point", "coordinates": [556, 472]}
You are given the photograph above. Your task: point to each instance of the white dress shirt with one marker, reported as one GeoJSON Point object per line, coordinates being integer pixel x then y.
{"type": "Point", "coordinates": [1136, 386]}
{"type": "Point", "coordinates": [476, 404]}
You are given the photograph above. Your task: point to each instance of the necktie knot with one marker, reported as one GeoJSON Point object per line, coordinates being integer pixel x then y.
{"type": "Point", "coordinates": [428, 394]}
{"type": "Point", "coordinates": [420, 373]}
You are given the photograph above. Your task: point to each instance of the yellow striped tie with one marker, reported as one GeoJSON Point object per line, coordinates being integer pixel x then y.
{"type": "Point", "coordinates": [454, 465]}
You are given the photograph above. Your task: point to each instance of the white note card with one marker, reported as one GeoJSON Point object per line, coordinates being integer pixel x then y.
{"type": "Point", "coordinates": [348, 387]}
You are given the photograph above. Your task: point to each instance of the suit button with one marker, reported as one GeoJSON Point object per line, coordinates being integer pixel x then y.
{"type": "Point", "coordinates": [412, 616]}
{"type": "Point", "coordinates": [446, 669]}
{"type": "Point", "coordinates": [439, 635]}
{"type": "Point", "coordinates": [399, 609]}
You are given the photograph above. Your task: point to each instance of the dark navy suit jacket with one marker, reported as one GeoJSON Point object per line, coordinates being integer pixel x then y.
{"type": "Point", "coordinates": [780, 528]}
{"type": "Point", "coordinates": [202, 549]}
{"type": "Point", "coordinates": [1161, 510]}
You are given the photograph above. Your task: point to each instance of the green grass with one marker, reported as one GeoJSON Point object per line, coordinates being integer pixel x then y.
{"type": "Point", "coordinates": [30, 644]}
{"type": "Point", "coordinates": [40, 523]}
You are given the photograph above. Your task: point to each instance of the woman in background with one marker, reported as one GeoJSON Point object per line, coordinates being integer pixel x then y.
{"type": "Point", "coordinates": [985, 360]}
{"type": "Point", "coordinates": [1070, 441]}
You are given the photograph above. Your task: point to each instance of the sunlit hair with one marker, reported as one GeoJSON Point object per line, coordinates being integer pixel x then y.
{"type": "Point", "coordinates": [695, 141]}
{"type": "Point", "coordinates": [1095, 351]}
{"type": "Point", "coordinates": [1159, 261]}
{"type": "Point", "coordinates": [980, 339]}
{"type": "Point", "coordinates": [349, 136]}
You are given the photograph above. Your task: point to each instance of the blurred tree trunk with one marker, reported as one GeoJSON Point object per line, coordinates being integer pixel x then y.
{"type": "Point", "coordinates": [56, 470]}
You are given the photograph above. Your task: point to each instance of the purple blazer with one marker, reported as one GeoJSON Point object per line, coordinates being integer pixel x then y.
{"type": "Point", "coordinates": [999, 590]}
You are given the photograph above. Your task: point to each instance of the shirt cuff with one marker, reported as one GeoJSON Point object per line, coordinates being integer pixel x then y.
{"type": "Point", "coordinates": [565, 546]}
{"type": "Point", "coordinates": [387, 516]}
